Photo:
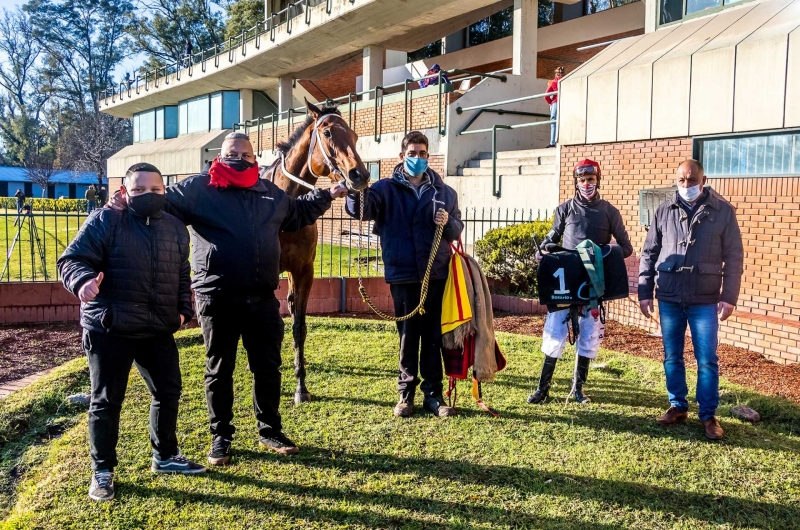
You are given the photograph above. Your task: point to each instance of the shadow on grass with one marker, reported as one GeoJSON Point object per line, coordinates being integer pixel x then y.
{"type": "Point", "coordinates": [678, 503]}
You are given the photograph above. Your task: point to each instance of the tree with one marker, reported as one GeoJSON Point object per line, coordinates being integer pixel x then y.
{"type": "Point", "coordinates": [243, 15]}
{"type": "Point", "coordinates": [161, 33]}
{"type": "Point", "coordinates": [88, 143]}
{"type": "Point", "coordinates": [39, 169]}
{"type": "Point", "coordinates": [83, 41]}
{"type": "Point", "coordinates": [21, 100]}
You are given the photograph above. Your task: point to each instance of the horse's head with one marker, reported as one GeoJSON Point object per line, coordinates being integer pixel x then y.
{"type": "Point", "coordinates": [336, 148]}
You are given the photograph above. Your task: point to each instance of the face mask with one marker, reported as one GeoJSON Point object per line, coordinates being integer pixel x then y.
{"type": "Point", "coordinates": [147, 204]}
{"type": "Point", "coordinates": [587, 192]}
{"type": "Point", "coordinates": [689, 194]}
{"type": "Point", "coordinates": [415, 166]}
{"type": "Point", "coordinates": [237, 164]}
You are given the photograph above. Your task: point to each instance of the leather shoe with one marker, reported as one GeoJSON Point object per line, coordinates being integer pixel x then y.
{"type": "Point", "coordinates": [672, 416]}
{"type": "Point", "coordinates": [712, 428]}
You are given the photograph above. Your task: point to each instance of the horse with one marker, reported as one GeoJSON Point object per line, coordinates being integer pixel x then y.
{"type": "Point", "coordinates": [323, 146]}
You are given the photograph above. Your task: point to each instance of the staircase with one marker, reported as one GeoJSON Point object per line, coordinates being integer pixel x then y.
{"type": "Point", "coordinates": [528, 180]}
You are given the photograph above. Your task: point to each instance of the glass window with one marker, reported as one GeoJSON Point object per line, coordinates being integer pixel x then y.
{"type": "Point", "coordinates": [263, 105]}
{"type": "Point", "coordinates": [183, 117]}
{"type": "Point", "coordinates": [693, 6]}
{"type": "Point", "coordinates": [147, 126]}
{"type": "Point", "coordinates": [160, 122]}
{"type": "Point", "coordinates": [770, 154]}
{"type": "Point", "coordinates": [494, 27]}
{"type": "Point", "coordinates": [671, 10]}
{"type": "Point", "coordinates": [374, 170]}
{"type": "Point", "coordinates": [171, 122]}
{"type": "Point", "coordinates": [216, 111]}
{"type": "Point", "coordinates": [135, 127]}
{"type": "Point", "coordinates": [230, 108]}
{"type": "Point", "coordinates": [197, 115]}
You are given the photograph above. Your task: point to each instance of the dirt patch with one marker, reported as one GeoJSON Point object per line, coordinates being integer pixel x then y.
{"type": "Point", "coordinates": [25, 350]}
{"type": "Point", "coordinates": [740, 366]}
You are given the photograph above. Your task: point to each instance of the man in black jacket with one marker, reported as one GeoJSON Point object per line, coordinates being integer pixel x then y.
{"type": "Point", "coordinates": [693, 257]}
{"type": "Point", "coordinates": [407, 209]}
{"type": "Point", "coordinates": [235, 220]}
{"type": "Point", "coordinates": [585, 216]}
{"type": "Point", "coordinates": [130, 270]}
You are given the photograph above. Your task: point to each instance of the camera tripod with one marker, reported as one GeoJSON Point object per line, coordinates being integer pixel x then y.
{"type": "Point", "coordinates": [33, 239]}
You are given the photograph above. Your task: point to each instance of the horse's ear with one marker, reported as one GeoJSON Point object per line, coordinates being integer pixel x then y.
{"type": "Point", "coordinates": [313, 110]}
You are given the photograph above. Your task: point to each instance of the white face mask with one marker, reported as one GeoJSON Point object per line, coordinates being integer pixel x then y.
{"type": "Point", "coordinates": [690, 194]}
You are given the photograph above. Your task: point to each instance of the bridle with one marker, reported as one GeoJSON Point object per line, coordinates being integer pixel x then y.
{"type": "Point", "coordinates": [332, 167]}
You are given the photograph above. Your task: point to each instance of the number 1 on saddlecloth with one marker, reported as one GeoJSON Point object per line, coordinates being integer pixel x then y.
{"type": "Point", "coordinates": [562, 284]}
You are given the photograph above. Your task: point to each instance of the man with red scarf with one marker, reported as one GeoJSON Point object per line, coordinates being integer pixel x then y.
{"type": "Point", "coordinates": [235, 219]}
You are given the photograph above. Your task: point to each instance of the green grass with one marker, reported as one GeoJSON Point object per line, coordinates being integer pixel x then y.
{"type": "Point", "coordinates": [55, 231]}
{"type": "Point", "coordinates": [605, 465]}
{"type": "Point", "coordinates": [335, 260]}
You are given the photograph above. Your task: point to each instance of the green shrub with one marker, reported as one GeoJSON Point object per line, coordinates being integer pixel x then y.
{"type": "Point", "coordinates": [46, 205]}
{"type": "Point", "coordinates": [508, 254]}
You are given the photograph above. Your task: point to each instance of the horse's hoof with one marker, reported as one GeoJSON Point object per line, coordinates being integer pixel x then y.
{"type": "Point", "coordinates": [302, 397]}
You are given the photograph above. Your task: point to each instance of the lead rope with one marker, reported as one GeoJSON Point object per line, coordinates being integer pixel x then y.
{"type": "Point", "coordinates": [420, 309]}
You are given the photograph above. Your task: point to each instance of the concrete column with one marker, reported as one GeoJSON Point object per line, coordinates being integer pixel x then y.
{"type": "Point", "coordinates": [373, 68]}
{"type": "Point", "coordinates": [526, 24]}
{"type": "Point", "coordinates": [285, 99]}
{"type": "Point", "coordinates": [267, 8]}
{"type": "Point", "coordinates": [245, 104]}
{"type": "Point", "coordinates": [650, 16]}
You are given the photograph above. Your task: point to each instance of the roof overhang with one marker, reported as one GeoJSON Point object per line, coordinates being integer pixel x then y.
{"type": "Point", "coordinates": [729, 72]}
{"type": "Point", "coordinates": [185, 155]}
{"type": "Point", "coordinates": [345, 32]}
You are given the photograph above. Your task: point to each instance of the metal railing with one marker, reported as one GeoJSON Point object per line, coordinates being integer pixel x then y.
{"type": "Point", "coordinates": [377, 93]}
{"type": "Point", "coordinates": [190, 61]}
{"type": "Point", "coordinates": [31, 255]}
{"type": "Point", "coordinates": [497, 183]}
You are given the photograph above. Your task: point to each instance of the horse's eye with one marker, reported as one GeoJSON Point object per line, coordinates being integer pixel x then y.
{"type": "Point", "coordinates": [326, 133]}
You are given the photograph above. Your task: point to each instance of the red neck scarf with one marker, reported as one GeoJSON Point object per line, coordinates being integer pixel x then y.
{"type": "Point", "coordinates": [224, 176]}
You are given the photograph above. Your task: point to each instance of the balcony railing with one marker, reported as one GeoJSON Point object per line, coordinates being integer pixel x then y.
{"type": "Point", "coordinates": [217, 53]}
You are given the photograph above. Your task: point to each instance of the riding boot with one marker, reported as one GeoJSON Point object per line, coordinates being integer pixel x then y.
{"type": "Point", "coordinates": [583, 373]}
{"type": "Point", "coordinates": [543, 391]}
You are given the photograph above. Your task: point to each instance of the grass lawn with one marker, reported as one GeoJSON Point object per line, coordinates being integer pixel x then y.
{"type": "Point", "coordinates": [604, 465]}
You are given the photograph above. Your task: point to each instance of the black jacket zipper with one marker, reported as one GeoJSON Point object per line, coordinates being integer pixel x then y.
{"type": "Point", "coordinates": [153, 267]}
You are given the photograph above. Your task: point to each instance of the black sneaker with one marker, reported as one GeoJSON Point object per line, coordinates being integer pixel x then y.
{"type": "Point", "coordinates": [220, 452]}
{"type": "Point", "coordinates": [438, 406]}
{"type": "Point", "coordinates": [279, 443]}
{"type": "Point", "coordinates": [177, 464]}
{"type": "Point", "coordinates": [102, 486]}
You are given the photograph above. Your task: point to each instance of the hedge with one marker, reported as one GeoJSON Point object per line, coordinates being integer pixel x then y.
{"type": "Point", "coordinates": [46, 205]}
{"type": "Point", "coordinates": [508, 254]}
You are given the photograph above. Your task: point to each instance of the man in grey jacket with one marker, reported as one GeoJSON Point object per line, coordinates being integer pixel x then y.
{"type": "Point", "coordinates": [693, 258]}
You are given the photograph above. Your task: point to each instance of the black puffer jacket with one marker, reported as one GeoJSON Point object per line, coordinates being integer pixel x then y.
{"type": "Point", "coordinates": [146, 274]}
{"type": "Point", "coordinates": [597, 220]}
{"type": "Point", "coordinates": [235, 245]}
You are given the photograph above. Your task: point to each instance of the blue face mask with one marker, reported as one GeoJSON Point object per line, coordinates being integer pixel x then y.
{"type": "Point", "coordinates": [415, 166]}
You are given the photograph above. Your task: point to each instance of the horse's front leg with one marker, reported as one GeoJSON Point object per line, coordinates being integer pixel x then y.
{"type": "Point", "coordinates": [301, 288]}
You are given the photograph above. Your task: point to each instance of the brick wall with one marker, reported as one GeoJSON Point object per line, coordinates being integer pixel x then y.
{"type": "Point", "coordinates": [336, 85]}
{"type": "Point", "coordinates": [767, 319]}
{"type": "Point", "coordinates": [570, 58]}
{"type": "Point", "coordinates": [422, 114]}
{"type": "Point", "coordinates": [40, 302]}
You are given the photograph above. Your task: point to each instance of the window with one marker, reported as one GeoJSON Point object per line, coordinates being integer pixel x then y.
{"type": "Point", "coordinates": [753, 155]}
{"type": "Point", "coordinates": [153, 124]}
{"type": "Point", "coordinates": [494, 27]}
{"type": "Point", "coordinates": [374, 169]}
{"type": "Point", "coordinates": [171, 121]}
{"type": "Point", "coordinates": [144, 126]}
{"type": "Point", "coordinates": [219, 110]}
{"type": "Point", "coordinates": [674, 10]}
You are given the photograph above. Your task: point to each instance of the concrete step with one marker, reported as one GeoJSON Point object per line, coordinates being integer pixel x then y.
{"type": "Point", "coordinates": [508, 162]}
{"type": "Point", "coordinates": [549, 169]}
{"type": "Point", "coordinates": [526, 153]}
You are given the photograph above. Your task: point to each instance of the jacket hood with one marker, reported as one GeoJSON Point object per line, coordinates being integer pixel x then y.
{"type": "Point", "coordinates": [434, 177]}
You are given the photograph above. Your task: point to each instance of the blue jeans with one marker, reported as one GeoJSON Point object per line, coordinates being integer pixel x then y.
{"type": "Point", "coordinates": [702, 320]}
{"type": "Point", "coordinates": [553, 115]}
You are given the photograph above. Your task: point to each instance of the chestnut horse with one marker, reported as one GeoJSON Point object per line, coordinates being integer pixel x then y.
{"type": "Point", "coordinates": [322, 147]}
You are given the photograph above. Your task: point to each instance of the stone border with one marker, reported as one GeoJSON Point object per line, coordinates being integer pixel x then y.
{"type": "Point", "coordinates": [8, 388]}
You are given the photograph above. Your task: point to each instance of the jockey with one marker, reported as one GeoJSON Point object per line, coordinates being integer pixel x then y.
{"type": "Point", "coordinates": [585, 216]}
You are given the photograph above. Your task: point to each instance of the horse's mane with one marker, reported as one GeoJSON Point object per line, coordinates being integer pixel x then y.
{"type": "Point", "coordinates": [286, 145]}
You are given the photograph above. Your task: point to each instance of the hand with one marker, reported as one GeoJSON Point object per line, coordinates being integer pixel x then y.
{"type": "Point", "coordinates": [183, 319]}
{"type": "Point", "coordinates": [646, 307]}
{"type": "Point", "coordinates": [117, 202]}
{"type": "Point", "coordinates": [340, 190]}
{"type": "Point", "coordinates": [725, 310]}
{"type": "Point", "coordinates": [441, 217]}
{"type": "Point", "coordinates": [90, 289]}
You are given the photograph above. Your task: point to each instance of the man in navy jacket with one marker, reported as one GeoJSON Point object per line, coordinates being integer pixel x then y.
{"type": "Point", "coordinates": [406, 209]}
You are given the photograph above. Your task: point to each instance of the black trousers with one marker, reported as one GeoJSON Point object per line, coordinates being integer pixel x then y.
{"type": "Point", "coordinates": [258, 322]}
{"type": "Point", "coordinates": [420, 339]}
{"type": "Point", "coordinates": [110, 360]}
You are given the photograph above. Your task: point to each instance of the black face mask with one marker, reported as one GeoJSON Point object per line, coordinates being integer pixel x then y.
{"type": "Point", "coordinates": [147, 204]}
{"type": "Point", "coordinates": [237, 164]}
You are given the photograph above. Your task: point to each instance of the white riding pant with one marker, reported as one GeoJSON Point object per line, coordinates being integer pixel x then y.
{"type": "Point", "coordinates": [556, 330]}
